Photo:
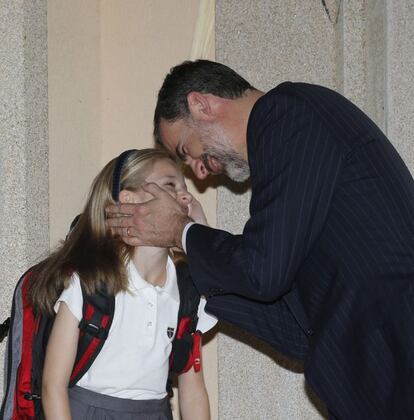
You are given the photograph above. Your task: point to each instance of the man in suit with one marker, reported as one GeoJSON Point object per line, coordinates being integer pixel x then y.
{"type": "Point", "coordinates": [324, 268]}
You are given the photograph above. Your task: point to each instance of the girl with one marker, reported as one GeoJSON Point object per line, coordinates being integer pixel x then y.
{"type": "Point", "coordinates": [128, 378]}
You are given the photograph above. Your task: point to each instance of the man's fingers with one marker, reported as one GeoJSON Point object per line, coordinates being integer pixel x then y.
{"type": "Point", "coordinates": [153, 189]}
{"type": "Point", "coordinates": [116, 223]}
{"type": "Point", "coordinates": [128, 235]}
{"type": "Point", "coordinates": [140, 224]}
{"type": "Point", "coordinates": [121, 209]}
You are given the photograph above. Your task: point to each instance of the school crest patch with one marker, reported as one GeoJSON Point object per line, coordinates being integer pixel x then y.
{"type": "Point", "coordinates": [170, 332]}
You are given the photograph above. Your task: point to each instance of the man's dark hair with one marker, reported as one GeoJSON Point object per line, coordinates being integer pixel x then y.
{"type": "Point", "coordinates": [202, 76]}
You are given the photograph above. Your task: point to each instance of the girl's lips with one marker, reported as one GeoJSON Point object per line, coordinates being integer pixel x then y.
{"type": "Point", "coordinates": [186, 207]}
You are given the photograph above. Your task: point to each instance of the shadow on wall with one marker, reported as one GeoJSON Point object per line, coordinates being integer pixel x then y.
{"type": "Point", "coordinates": [295, 366]}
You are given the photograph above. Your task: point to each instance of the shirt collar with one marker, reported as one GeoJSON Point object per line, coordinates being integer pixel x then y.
{"type": "Point", "coordinates": [170, 287]}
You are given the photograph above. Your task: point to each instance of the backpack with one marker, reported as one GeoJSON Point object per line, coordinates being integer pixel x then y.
{"type": "Point", "coordinates": [28, 336]}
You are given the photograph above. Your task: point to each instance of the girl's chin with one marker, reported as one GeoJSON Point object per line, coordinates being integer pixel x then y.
{"type": "Point", "coordinates": [186, 208]}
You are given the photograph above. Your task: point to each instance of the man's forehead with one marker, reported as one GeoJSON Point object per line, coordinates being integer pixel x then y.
{"type": "Point", "coordinates": [171, 133]}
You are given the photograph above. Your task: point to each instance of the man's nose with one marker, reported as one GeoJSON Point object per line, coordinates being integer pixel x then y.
{"type": "Point", "coordinates": [198, 168]}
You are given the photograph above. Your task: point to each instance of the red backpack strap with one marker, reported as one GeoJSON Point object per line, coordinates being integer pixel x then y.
{"type": "Point", "coordinates": [23, 378]}
{"type": "Point", "coordinates": [98, 314]}
{"type": "Point", "coordinates": [23, 405]}
{"type": "Point", "coordinates": [186, 345]}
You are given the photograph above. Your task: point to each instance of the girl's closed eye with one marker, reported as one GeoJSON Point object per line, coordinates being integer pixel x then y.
{"type": "Point", "coordinates": [169, 185]}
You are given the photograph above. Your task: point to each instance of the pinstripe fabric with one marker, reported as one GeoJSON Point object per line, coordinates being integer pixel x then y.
{"type": "Point", "coordinates": [324, 269]}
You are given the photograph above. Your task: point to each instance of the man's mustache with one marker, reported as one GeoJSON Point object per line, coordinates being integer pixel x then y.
{"type": "Point", "coordinates": [204, 158]}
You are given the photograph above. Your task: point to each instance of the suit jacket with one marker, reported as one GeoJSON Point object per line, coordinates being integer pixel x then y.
{"type": "Point", "coordinates": [324, 268]}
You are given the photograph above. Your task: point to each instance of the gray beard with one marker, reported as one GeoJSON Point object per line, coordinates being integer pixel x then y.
{"type": "Point", "coordinates": [217, 146]}
{"type": "Point", "coordinates": [234, 166]}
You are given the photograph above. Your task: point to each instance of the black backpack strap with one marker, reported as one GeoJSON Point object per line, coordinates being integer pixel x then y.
{"type": "Point", "coordinates": [4, 329]}
{"type": "Point", "coordinates": [98, 314]}
{"type": "Point", "coordinates": [187, 339]}
{"type": "Point", "coordinates": [41, 335]}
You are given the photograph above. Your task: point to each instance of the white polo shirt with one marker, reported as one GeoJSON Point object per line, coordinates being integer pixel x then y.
{"type": "Point", "coordinates": [134, 360]}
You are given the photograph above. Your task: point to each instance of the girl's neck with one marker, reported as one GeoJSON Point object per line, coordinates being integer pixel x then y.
{"type": "Point", "coordinates": [151, 264]}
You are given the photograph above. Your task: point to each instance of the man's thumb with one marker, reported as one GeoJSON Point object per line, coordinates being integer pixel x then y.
{"type": "Point", "coordinates": [152, 189]}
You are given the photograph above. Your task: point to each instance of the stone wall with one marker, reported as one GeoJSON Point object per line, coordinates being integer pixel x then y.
{"type": "Point", "coordinates": [24, 188]}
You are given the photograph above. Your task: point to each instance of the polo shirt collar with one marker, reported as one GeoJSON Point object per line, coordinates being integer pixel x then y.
{"type": "Point", "coordinates": [170, 287]}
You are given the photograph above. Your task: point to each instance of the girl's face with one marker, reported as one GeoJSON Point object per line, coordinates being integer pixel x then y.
{"type": "Point", "coordinates": [167, 176]}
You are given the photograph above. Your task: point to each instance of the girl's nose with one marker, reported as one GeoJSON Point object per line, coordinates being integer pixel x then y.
{"type": "Point", "coordinates": [184, 197]}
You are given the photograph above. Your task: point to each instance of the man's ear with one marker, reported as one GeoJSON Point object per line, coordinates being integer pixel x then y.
{"type": "Point", "coordinates": [201, 106]}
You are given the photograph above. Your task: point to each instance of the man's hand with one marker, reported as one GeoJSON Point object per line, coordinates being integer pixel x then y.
{"type": "Point", "coordinates": [158, 222]}
{"type": "Point", "coordinates": [196, 212]}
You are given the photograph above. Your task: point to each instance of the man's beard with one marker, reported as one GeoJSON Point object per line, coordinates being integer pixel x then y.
{"type": "Point", "coordinates": [217, 146]}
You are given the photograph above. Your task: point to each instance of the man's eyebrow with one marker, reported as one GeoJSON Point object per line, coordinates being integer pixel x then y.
{"type": "Point", "coordinates": [179, 154]}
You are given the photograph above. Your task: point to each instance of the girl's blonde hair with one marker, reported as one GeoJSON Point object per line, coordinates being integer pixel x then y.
{"type": "Point", "coordinates": [90, 248]}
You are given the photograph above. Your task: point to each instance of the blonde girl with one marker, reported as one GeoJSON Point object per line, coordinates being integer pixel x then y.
{"type": "Point", "coordinates": [128, 378]}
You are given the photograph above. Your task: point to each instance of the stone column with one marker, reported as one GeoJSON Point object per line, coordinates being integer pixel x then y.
{"type": "Point", "coordinates": [267, 42]}
{"type": "Point", "coordinates": [24, 143]}
{"type": "Point", "coordinates": [375, 66]}
{"type": "Point", "coordinates": [399, 87]}
{"type": "Point", "coordinates": [361, 56]}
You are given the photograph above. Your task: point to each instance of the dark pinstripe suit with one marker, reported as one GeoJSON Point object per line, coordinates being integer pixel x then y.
{"type": "Point", "coordinates": [324, 269]}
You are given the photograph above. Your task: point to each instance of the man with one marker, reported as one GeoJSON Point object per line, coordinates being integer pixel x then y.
{"type": "Point", "coordinates": [324, 268]}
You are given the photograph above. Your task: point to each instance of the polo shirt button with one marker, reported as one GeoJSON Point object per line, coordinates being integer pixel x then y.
{"type": "Point", "coordinates": [150, 304]}
{"type": "Point", "coordinates": [149, 324]}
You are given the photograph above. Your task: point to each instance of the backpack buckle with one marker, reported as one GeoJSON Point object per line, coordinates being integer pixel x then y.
{"type": "Point", "coordinates": [30, 397]}
{"type": "Point", "coordinates": [93, 330]}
